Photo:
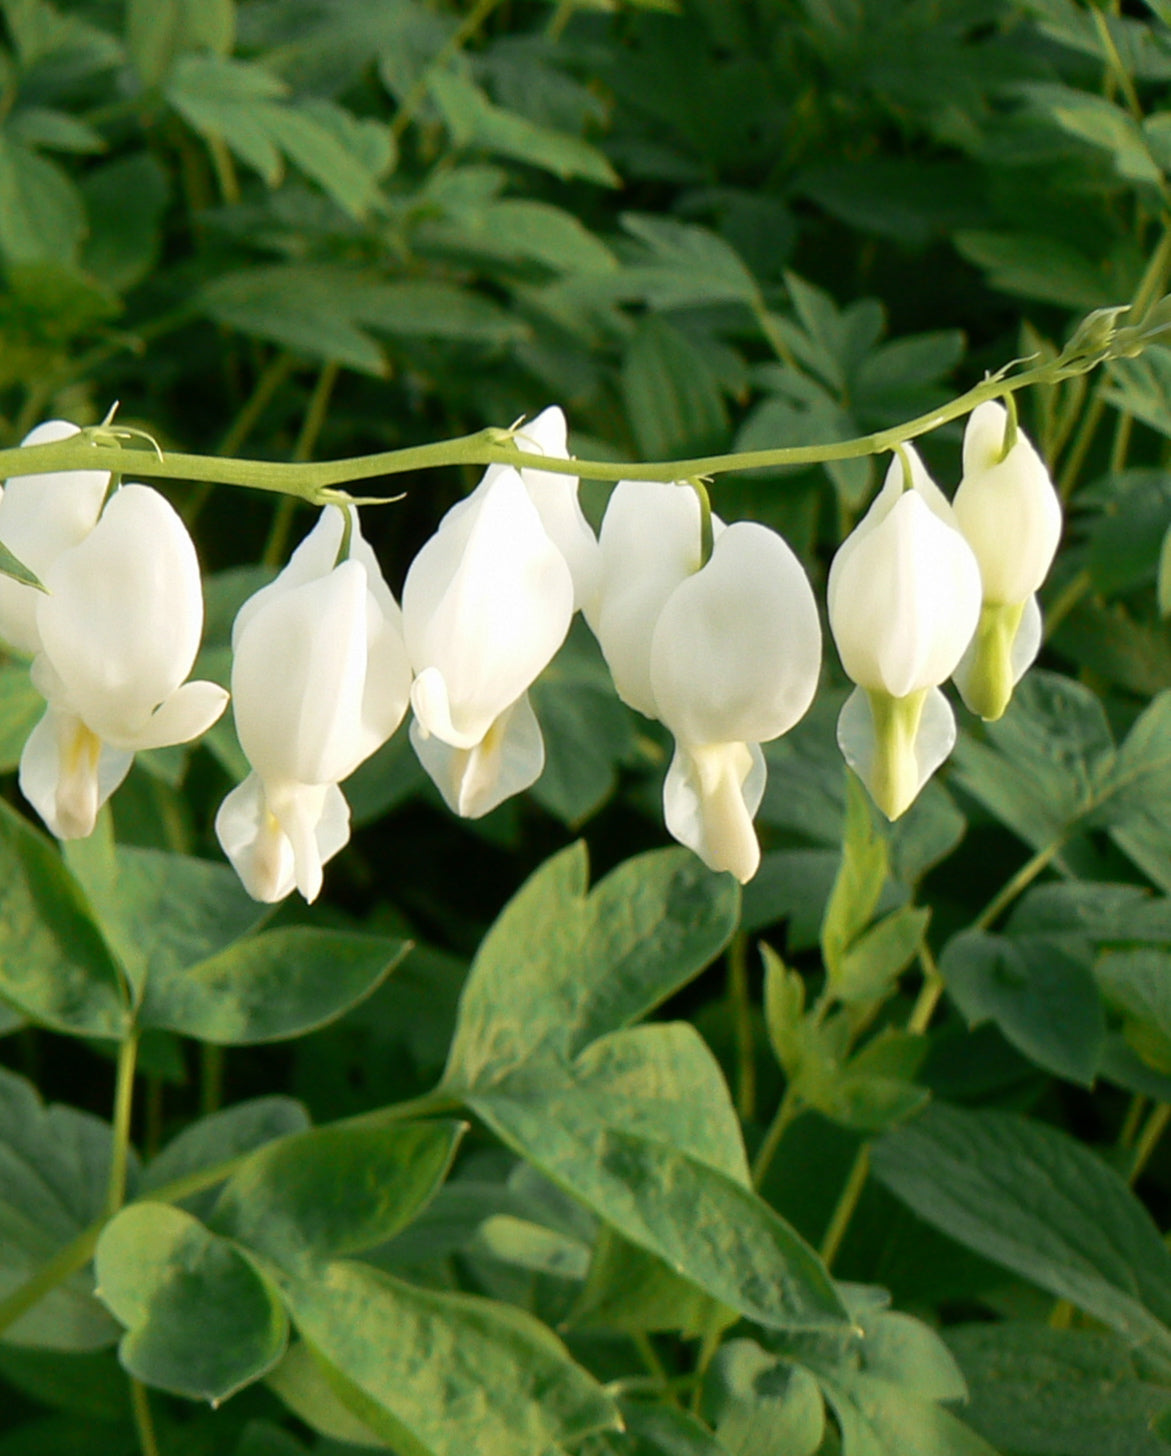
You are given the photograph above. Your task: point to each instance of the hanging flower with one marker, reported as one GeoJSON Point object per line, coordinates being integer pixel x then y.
{"type": "Point", "coordinates": [904, 601]}
{"type": "Point", "coordinates": [320, 680]}
{"type": "Point", "coordinates": [486, 604]}
{"type": "Point", "coordinates": [40, 517]}
{"type": "Point", "coordinates": [1010, 515]}
{"type": "Point", "coordinates": [117, 634]}
{"type": "Point", "coordinates": [725, 654]}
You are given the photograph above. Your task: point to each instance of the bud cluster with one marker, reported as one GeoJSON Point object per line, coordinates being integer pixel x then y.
{"type": "Point", "coordinates": [712, 630]}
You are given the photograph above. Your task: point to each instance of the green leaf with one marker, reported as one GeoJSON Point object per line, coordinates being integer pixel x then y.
{"type": "Point", "coordinates": [656, 1430]}
{"type": "Point", "coordinates": [1047, 1392]}
{"type": "Point", "coordinates": [631, 1290]}
{"type": "Point", "coordinates": [42, 217]}
{"type": "Point", "coordinates": [474, 121]}
{"type": "Point", "coordinates": [859, 882]}
{"type": "Point", "coordinates": [673, 396]}
{"type": "Point", "coordinates": [1038, 266]}
{"type": "Point", "coordinates": [56, 131]}
{"type": "Point", "coordinates": [1140, 793]}
{"type": "Point", "coordinates": [279, 984]}
{"type": "Point", "coordinates": [21, 708]}
{"type": "Point", "coordinates": [627, 1135]}
{"type": "Point", "coordinates": [1041, 996]}
{"type": "Point", "coordinates": [54, 964]}
{"type": "Point", "coordinates": [201, 1320]}
{"type": "Point", "coordinates": [1038, 1202]}
{"type": "Point", "coordinates": [159, 912]}
{"type": "Point", "coordinates": [762, 1405]}
{"type": "Point", "coordinates": [224, 1135]}
{"type": "Point", "coordinates": [874, 962]}
{"type": "Point", "coordinates": [684, 265]}
{"type": "Point", "coordinates": [559, 968]}
{"type": "Point", "coordinates": [54, 1166]}
{"type": "Point", "coordinates": [125, 200]}
{"type": "Point", "coordinates": [1137, 983]}
{"type": "Point", "coordinates": [1102, 123]}
{"type": "Point", "coordinates": [301, 1383]}
{"type": "Point", "coordinates": [332, 1191]}
{"type": "Point", "coordinates": [443, 1374]}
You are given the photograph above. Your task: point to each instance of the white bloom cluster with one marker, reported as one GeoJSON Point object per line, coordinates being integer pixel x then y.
{"type": "Point", "coordinates": [721, 644]}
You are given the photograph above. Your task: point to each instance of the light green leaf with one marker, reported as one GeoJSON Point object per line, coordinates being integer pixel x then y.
{"type": "Point", "coordinates": [1137, 983]}
{"type": "Point", "coordinates": [673, 396]}
{"type": "Point", "coordinates": [762, 1405]}
{"type": "Point", "coordinates": [559, 968]}
{"type": "Point", "coordinates": [279, 984]}
{"type": "Point", "coordinates": [54, 964]}
{"type": "Point", "coordinates": [42, 217]}
{"type": "Point", "coordinates": [474, 121]}
{"type": "Point", "coordinates": [876, 959]}
{"type": "Point", "coordinates": [333, 1191]}
{"type": "Point", "coordinates": [21, 707]}
{"type": "Point", "coordinates": [1038, 1202]}
{"type": "Point", "coordinates": [1102, 123]}
{"type": "Point", "coordinates": [1038, 266]}
{"type": "Point", "coordinates": [201, 1320]}
{"type": "Point", "coordinates": [54, 1167]}
{"type": "Point", "coordinates": [301, 1383]}
{"type": "Point", "coordinates": [444, 1374]}
{"type": "Point", "coordinates": [859, 882]}
{"type": "Point", "coordinates": [225, 1135]}
{"type": "Point", "coordinates": [684, 265]}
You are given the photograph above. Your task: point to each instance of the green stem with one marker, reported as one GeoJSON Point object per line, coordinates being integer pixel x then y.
{"type": "Point", "coordinates": [929, 993]}
{"type": "Point", "coordinates": [414, 98]}
{"type": "Point", "coordinates": [1081, 446]}
{"type": "Point", "coordinates": [650, 1358]}
{"type": "Point", "coordinates": [1155, 1127]}
{"type": "Point", "coordinates": [311, 427]}
{"type": "Point", "coordinates": [143, 1420]}
{"type": "Point", "coordinates": [211, 1078]}
{"type": "Point", "coordinates": [318, 481]}
{"type": "Point", "coordinates": [1020, 882]}
{"type": "Point", "coordinates": [1132, 1121]}
{"type": "Point", "coordinates": [123, 1106]}
{"type": "Point", "coordinates": [847, 1203]}
{"type": "Point", "coordinates": [786, 1112]}
{"type": "Point", "coordinates": [741, 1007]}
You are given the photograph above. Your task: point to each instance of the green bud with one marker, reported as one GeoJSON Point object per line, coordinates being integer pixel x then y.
{"type": "Point", "coordinates": [989, 684]}
{"type": "Point", "coordinates": [894, 775]}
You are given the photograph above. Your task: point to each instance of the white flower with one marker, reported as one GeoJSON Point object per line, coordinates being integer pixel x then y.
{"type": "Point", "coordinates": [40, 517]}
{"type": "Point", "coordinates": [725, 654]}
{"type": "Point", "coordinates": [320, 680]}
{"type": "Point", "coordinates": [904, 602]}
{"type": "Point", "coordinates": [118, 632]}
{"type": "Point", "coordinates": [1010, 515]}
{"type": "Point", "coordinates": [486, 604]}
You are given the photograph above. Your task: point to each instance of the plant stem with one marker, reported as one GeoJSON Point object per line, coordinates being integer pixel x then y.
{"type": "Point", "coordinates": [786, 1112]}
{"type": "Point", "coordinates": [741, 1008]}
{"type": "Point", "coordinates": [143, 1420]}
{"type": "Point", "coordinates": [929, 993]}
{"type": "Point", "coordinates": [1148, 1138]}
{"type": "Point", "coordinates": [1080, 447]}
{"type": "Point", "coordinates": [211, 1078]}
{"type": "Point", "coordinates": [311, 427]}
{"type": "Point", "coordinates": [1020, 882]}
{"type": "Point", "coordinates": [832, 1240]}
{"type": "Point", "coordinates": [1132, 1121]}
{"type": "Point", "coordinates": [650, 1358]}
{"type": "Point", "coordinates": [414, 98]}
{"type": "Point", "coordinates": [123, 1105]}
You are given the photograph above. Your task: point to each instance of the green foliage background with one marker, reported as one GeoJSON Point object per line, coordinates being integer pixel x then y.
{"type": "Point", "coordinates": [572, 1177]}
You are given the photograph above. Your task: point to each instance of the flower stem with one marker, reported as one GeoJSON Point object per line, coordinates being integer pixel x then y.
{"type": "Point", "coordinates": [1145, 1145]}
{"type": "Point", "coordinates": [786, 1112]}
{"type": "Point", "coordinates": [836, 1231]}
{"type": "Point", "coordinates": [123, 1105]}
{"type": "Point", "coordinates": [1020, 882]}
{"type": "Point", "coordinates": [143, 1420]}
{"type": "Point", "coordinates": [929, 993]}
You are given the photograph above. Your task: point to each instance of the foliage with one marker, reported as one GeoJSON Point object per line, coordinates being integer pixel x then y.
{"type": "Point", "coordinates": [863, 1160]}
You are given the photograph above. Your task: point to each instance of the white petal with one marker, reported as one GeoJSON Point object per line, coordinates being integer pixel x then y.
{"type": "Point", "coordinates": [122, 622]}
{"type": "Point", "coordinates": [1007, 509]}
{"type": "Point", "coordinates": [650, 542]}
{"type": "Point", "coordinates": [67, 773]}
{"type": "Point", "coordinates": [736, 651]}
{"type": "Point", "coordinates": [556, 500]}
{"type": "Point", "coordinates": [190, 711]}
{"type": "Point", "coordinates": [508, 759]}
{"type": "Point", "coordinates": [896, 787]}
{"type": "Point", "coordinates": [299, 679]}
{"type": "Point", "coordinates": [904, 600]}
{"type": "Point", "coordinates": [315, 557]}
{"type": "Point", "coordinates": [487, 602]}
{"type": "Point", "coordinates": [259, 847]}
{"type": "Point", "coordinates": [40, 517]}
{"type": "Point", "coordinates": [709, 798]}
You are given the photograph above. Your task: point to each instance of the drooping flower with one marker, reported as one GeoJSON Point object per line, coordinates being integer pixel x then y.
{"type": "Point", "coordinates": [725, 654]}
{"type": "Point", "coordinates": [904, 602]}
{"type": "Point", "coordinates": [40, 517]}
{"type": "Point", "coordinates": [117, 634]}
{"type": "Point", "coordinates": [486, 604]}
{"type": "Point", "coordinates": [1010, 515]}
{"type": "Point", "coordinates": [320, 680]}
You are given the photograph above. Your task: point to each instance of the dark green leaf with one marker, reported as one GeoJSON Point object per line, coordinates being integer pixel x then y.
{"type": "Point", "coordinates": [223, 1135]}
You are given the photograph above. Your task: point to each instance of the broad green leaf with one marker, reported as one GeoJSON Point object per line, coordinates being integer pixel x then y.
{"type": "Point", "coordinates": [201, 1321]}
{"type": "Point", "coordinates": [439, 1374]}
{"type": "Point", "coordinates": [673, 396]}
{"type": "Point", "coordinates": [125, 200]}
{"type": "Point", "coordinates": [12, 567]}
{"type": "Point", "coordinates": [559, 968]}
{"type": "Point", "coordinates": [21, 708]}
{"type": "Point", "coordinates": [876, 959]}
{"type": "Point", "coordinates": [55, 131]}
{"type": "Point", "coordinates": [1047, 1392]}
{"type": "Point", "coordinates": [878, 1419]}
{"type": "Point", "coordinates": [1042, 997]}
{"type": "Point", "coordinates": [334, 1190]}
{"type": "Point", "coordinates": [223, 1135]}
{"type": "Point", "coordinates": [54, 965]}
{"type": "Point", "coordinates": [655, 1430]}
{"type": "Point", "coordinates": [1136, 812]}
{"type": "Point", "coordinates": [1035, 1200]}
{"type": "Point", "coordinates": [684, 265]}
{"type": "Point", "coordinates": [42, 217]}
{"type": "Point", "coordinates": [1137, 983]}
{"type": "Point", "coordinates": [275, 985]}
{"type": "Point", "coordinates": [54, 1166]}
{"type": "Point", "coordinates": [835, 341]}
{"type": "Point", "coordinates": [624, 1162]}
{"type": "Point", "coordinates": [589, 732]}
{"type": "Point", "coordinates": [159, 913]}
{"type": "Point", "coordinates": [761, 1405]}
{"type": "Point", "coordinates": [514, 230]}
{"type": "Point", "coordinates": [1038, 266]}
{"type": "Point", "coordinates": [1103, 124]}
{"type": "Point", "coordinates": [629, 1289]}
{"type": "Point", "coordinates": [301, 1383]}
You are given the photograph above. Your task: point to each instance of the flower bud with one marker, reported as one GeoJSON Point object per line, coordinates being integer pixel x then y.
{"type": "Point", "coordinates": [904, 601]}
{"type": "Point", "coordinates": [1010, 515]}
